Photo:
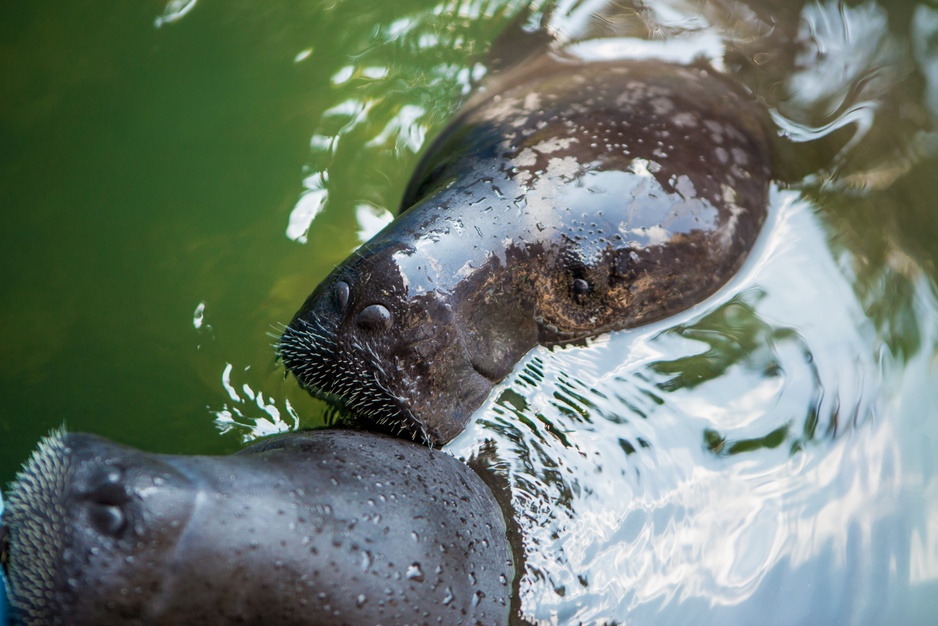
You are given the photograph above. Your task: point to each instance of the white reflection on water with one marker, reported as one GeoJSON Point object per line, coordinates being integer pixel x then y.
{"type": "Point", "coordinates": [240, 414]}
{"type": "Point", "coordinates": [311, 203]}
{"type": "Point", "coordinates": [404, 128]}
{"type": "Point", "coordinates": [801, 493]}
{"type": "Point", "coordinates": [387, 100]}
{"type": "Point", "coordinates": [175, 10]}
{"type": "Point", "coordinates": [690, 48]}
{"type": "Point", "coordinates": [925, 48]}
{"type": "Point", "coordinates": [843, 45]}
{"type": "Point", "coordinates": [371, 220]}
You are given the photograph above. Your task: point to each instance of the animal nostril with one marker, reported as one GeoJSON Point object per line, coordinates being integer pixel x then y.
{"type": "Point", "coordinates": [341, 295]}
{"type": "Point", "coordinates": [107, 518]}
{"type": "Point", "coordinates": [374, 317]}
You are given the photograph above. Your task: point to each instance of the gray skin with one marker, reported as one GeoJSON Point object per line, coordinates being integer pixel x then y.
{"type": "Point", "coordinates": [568, 201]}
{"type": "Point", "coordinates": [332, 527]}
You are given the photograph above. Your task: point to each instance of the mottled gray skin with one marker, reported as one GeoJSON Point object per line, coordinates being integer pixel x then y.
{"type": "Point", "coordinates": [570, 200]}
{"type": "Point", "coordinates": [333, 527]}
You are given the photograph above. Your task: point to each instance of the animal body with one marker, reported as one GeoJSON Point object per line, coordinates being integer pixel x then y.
{"type": "Point", "coordinates": [328, 527]}
{"type": "Point", "coordinates": [569, 200]}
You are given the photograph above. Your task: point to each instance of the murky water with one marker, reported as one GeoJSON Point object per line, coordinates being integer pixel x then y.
{"type": "Point", "coordinates": [178, 178]}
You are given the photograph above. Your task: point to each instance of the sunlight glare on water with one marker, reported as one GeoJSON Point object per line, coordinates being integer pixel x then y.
{"type": "Point", "coordinates": [680, 464]}
{"type": "Point", "coordinates": [181, 177]}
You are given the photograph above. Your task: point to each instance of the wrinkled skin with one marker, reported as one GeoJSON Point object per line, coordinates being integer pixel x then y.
{"type": "Point", "coordinates": [571, 200]}
{"type": "Point", "coordinates": [333, 527]}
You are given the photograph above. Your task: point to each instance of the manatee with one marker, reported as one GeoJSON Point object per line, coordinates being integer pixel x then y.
{"type": "Point", "coordinates": [571, 199]}
{"type": "Point", "coordinates": [328, 527]}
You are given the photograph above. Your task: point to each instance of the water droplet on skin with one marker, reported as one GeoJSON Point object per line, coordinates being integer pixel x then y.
{"type": "Point", "coordinates": [341, 295]}
{"type": "Point", "coordinates": [366, 561]}
{"type": "Point", "coordinates": [374, 317]}
{"type": "Point", "coordinates": [360, 600]}
{"type": "Point", "coordinates": [448, 596]}
{"type": "Point", "coordinates": [415, 573]}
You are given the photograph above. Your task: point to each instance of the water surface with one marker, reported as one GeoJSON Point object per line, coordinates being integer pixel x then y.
{"type": "Point", "coordinates": [177, 178]}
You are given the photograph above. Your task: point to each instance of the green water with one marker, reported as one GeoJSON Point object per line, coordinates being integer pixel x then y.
{"type": "Point", "coordinates": [176, 177]}
{"type": "Point", "coordinates": [147, 170]}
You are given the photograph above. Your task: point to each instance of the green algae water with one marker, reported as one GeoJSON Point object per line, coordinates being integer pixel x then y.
{"type": "Point", "coordinates": [176, 177]}
{"type": "Point", "coordinates": [153, 160]}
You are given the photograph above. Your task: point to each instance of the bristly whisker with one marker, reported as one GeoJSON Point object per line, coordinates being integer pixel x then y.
{"type": "Point", "coordinates": [347, 374]}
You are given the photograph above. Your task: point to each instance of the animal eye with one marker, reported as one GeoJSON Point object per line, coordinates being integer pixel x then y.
{"type": "Point", "coordinates": [580, 288]}
{"type": "Point", "coordinates": [341, 295]}
{"type": "Point", "coordinates": [107, 518]}
{"type": "Point", "coordinates": [374, 317]}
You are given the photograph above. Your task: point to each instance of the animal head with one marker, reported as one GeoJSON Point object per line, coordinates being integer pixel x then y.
{"type": "Point", "coordinates": [579, 200]}
{"type": "Point", "coordinates": [86, 513]}
{"type": "Point", "coordinates": [390, 351]}
{"type": "Point", "coordinates": [284, 532]}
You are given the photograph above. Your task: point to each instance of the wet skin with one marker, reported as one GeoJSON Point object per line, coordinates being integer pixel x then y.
{"type": "Point", "coordinates": [569, 201]}
{"type": "Point", "coordinates": [330, 527]}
